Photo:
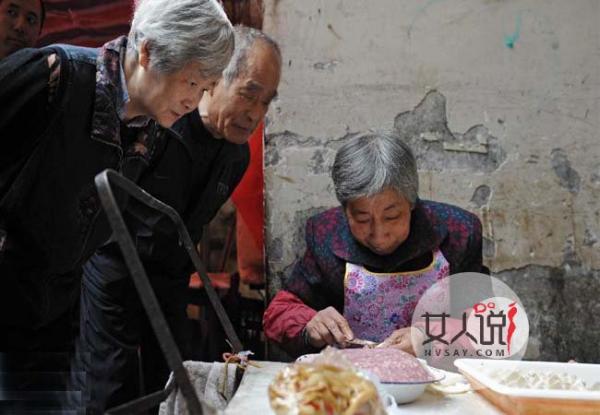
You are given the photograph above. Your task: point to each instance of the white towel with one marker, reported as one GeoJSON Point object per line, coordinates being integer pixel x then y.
{"type": "Point", "coordinates": [207, 380]}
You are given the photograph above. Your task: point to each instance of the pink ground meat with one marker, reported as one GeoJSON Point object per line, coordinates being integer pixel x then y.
{"type": "Point", "coordinates": [389, 365]}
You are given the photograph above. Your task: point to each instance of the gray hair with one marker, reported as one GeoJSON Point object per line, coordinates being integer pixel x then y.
{"type": "Point", "coordinates": [245, 38]}
{"type": "Point", "coordinates": [371, 162]}
{"type": "Point", "coordinates": [183, 31]}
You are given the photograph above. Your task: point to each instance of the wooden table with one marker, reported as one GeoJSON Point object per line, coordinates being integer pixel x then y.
{"type": "Point", "coordinates": [252, 397]}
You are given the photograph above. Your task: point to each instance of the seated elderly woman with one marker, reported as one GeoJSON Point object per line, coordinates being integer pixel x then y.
{"type": "Point", "coordinates": [368, 261]}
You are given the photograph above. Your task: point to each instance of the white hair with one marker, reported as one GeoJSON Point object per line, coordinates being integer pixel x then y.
{"type": "Point", "coordinates": [372, 162]}
{"type": "Point", "coordinates": [245, 38]}
{"type": "Point", "coordinates": [182, 31]}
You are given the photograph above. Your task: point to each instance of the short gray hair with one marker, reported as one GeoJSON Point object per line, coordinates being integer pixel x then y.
{"type": "Point", "coordinates": [245, 38]}
{"type": "Point", "coordinates": [183, 31]}
{"type": "Point", "coordinates": [371, 162]}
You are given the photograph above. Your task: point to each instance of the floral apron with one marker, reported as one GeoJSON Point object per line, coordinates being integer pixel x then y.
{"type": "Point", "coordinates": [377, 304]}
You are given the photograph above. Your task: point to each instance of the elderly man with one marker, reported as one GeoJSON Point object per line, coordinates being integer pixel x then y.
{"type": "Point", "coordinates": [66, 114]}
{"type": "Point", "coordinates": [196, 174]}
{"type": "Point", "coordinates": [21, 22]}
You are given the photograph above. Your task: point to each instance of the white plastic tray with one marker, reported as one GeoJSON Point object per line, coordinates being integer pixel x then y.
{"type": "Point", "coordinates": [529, 401]}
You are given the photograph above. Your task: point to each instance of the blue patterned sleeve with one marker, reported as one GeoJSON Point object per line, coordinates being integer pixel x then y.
{"type": "Point", "coordinates": [306, 278]}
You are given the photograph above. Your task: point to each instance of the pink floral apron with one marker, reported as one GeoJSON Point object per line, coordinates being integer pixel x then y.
{"type": "Point", "coordinates": [377, 304]}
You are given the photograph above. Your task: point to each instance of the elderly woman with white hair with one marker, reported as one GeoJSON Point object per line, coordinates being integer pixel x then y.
{"type": "Point", "coordinates": [66, 114]}
{"type": "Point", "coordinates": [368, 261]}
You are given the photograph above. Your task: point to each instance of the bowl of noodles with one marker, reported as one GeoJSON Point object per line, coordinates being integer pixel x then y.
{"type": "Point", "coordinates": [305, 389]}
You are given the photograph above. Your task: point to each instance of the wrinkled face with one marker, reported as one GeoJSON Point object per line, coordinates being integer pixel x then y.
{"type": "Point", "coordinates": [20, 24]}
{"type": "Point", "coordinates": [166, 97]}
{"type": "Point", "coordinates": [380, 222]}
{"type": "Point", "coordinates": [235, 110]}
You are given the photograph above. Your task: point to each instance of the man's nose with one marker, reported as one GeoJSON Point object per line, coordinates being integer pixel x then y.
{"type": "Point", "coordinates": [256, 112]}
{"type": "Point", "coordinates": [20, 24]}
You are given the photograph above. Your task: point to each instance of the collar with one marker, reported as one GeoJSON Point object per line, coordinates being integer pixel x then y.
{"type": "Point", "coordinates": [198, 141]}
{"type": "Point", "coordinates": [423, 238]}
{"type": "Point", "coordinates": [121, 84]}
{"type": "Point", "coordinates": [111, 95]}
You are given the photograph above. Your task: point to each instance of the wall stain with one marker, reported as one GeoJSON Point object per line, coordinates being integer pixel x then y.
{"type": "Point", "coordinates": [285, 178]}
{"type": "Point", "coordinates": [590, 239]}
{"type": "Point", "coordinates": [271, 158]}
{"type": "Point", "coordinates": [421, 11]}
{"type": "Point", "coordinates": [570, 251]}
{"type": "Point", "coordinates": [533, 159]}
{"type": "Point", "coordinates": [481, 196]}
{"type": "Point", "coordinates": [288, 139]}
{"type": "Point", "coordinates": [511, 40]}
{"type": "Point", "coordinates": [567, 175]}
{"type": "Point", "coordinates": [332, 30]}
{"type": "Point", "coordinates": [318, 163]}
{"type": "Point", "coordinates": [595, 176]}
{"type": "Point", "coordinates": [326, 66]}
{"type": "Point", "coordinates": [558, 300]}
{"type": "Point", "coordinates": [488, 248]}
{"type": "Point", "coordinates": [437, 148]}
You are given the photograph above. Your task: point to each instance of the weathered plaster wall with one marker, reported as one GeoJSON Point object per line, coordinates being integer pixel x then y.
{"type": "Point", "coordinates": [501, 101]}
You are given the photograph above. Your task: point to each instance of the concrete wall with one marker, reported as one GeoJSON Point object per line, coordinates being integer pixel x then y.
{"type": "Point", "coordinates": [501, 100]}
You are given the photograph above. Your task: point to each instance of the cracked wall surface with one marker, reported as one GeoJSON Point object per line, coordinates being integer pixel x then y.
{"type": "Point", "coordinates": [500, 101]}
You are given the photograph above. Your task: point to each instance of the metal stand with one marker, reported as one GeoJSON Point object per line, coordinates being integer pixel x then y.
{"type": "Point", "coordinates": [105, 182]}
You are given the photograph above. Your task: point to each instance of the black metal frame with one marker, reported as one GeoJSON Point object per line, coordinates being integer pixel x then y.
{"type": "Point", "coordinates": [105, 181]}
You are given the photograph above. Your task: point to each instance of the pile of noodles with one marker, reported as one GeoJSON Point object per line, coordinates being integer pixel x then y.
{"type": "Point", "coordinates": [323, 389]}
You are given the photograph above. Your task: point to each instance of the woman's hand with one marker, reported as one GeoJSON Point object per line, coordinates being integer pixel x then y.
{"type": "Point", "coordinates": [328, 327]}
{"type": "Point", "coordinates": [403, 339]}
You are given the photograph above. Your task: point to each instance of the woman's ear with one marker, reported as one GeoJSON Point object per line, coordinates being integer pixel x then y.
{"type": "Point", "coordinates": [414, 205]}
{"type": "Point", "coordinates": [346, 210]}
{"type": "Point", "coordinates": [144, 55]}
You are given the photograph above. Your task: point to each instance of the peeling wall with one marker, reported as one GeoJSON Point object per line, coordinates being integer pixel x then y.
{"type": "Point", "coordinates": [500, 101]}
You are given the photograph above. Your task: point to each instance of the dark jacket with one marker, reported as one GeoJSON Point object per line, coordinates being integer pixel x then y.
{"type": "Point", "coordinates": [318, 277]}
{"type": "Point", "coordinates": [54, 138]}
{"type": "Point", "coordinates": [317, 280]}
{"type": "Point", "coordinates": [195, 174]}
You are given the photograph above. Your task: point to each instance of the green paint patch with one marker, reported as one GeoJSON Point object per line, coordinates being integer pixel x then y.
{"type": "Point", "coordinates": [511, 40]}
